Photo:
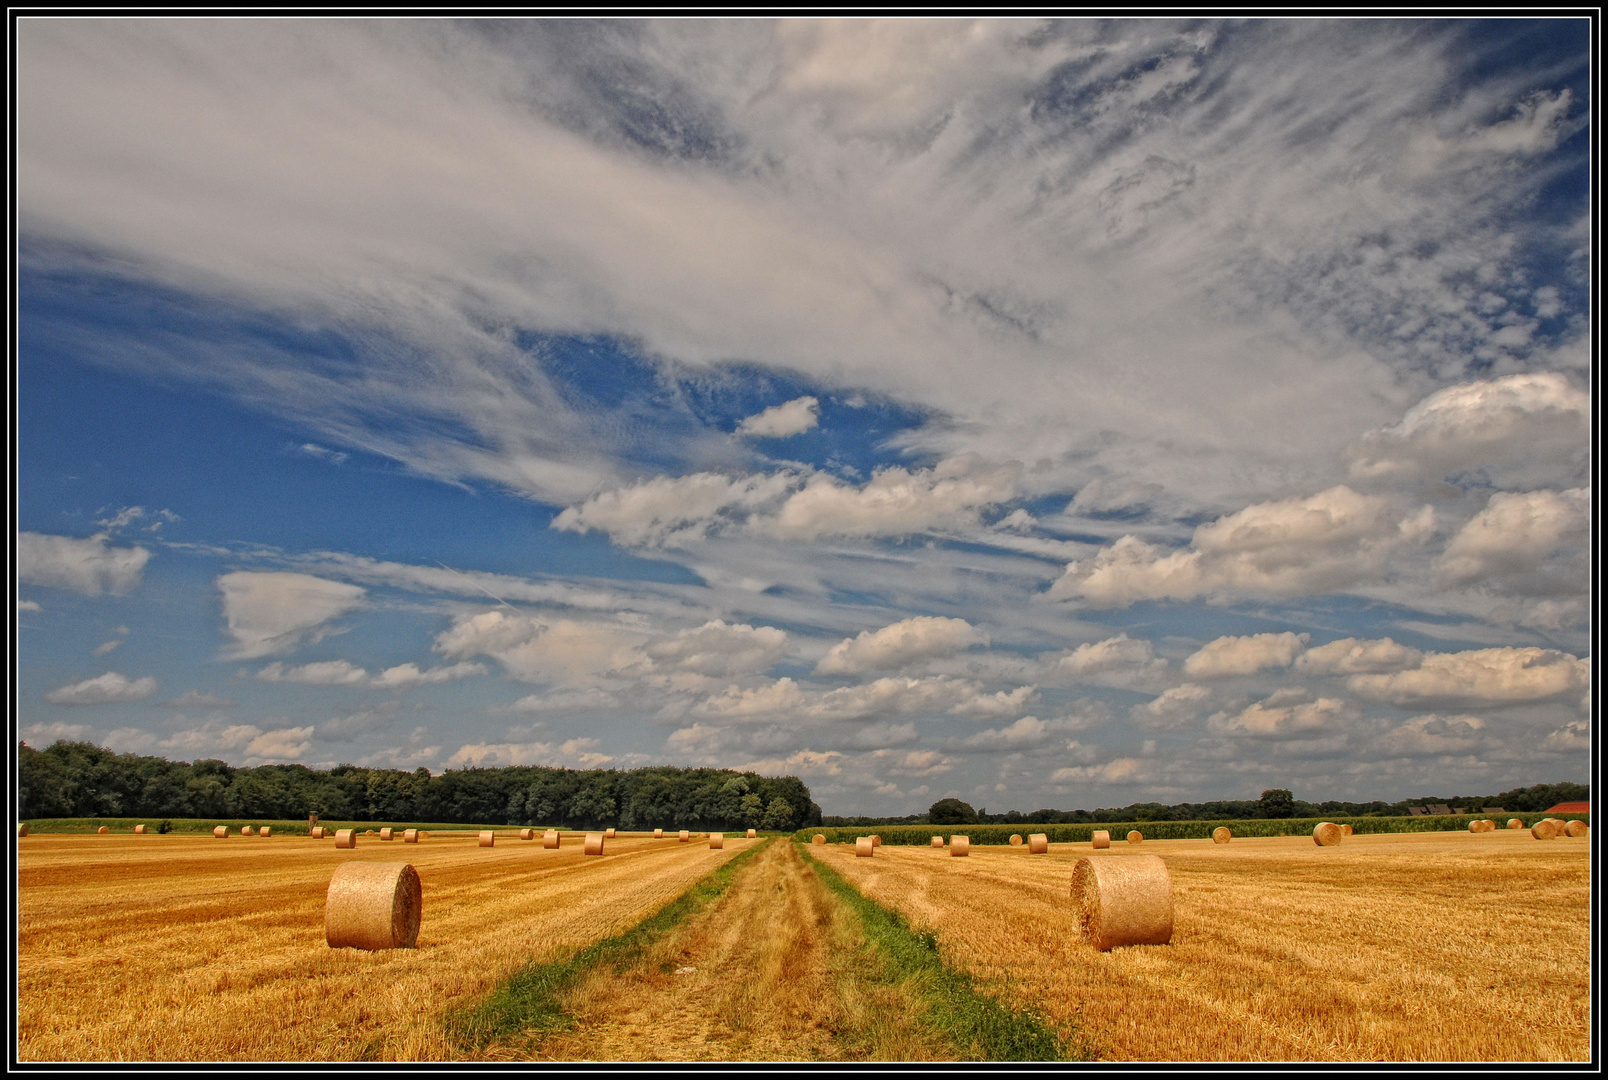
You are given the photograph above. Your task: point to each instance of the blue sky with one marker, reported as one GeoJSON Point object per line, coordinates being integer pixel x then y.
{"type": "Point", "coordinates": [1045, 413]}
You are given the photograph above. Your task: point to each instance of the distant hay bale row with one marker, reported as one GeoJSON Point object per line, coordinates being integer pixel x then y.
{"type": "Point", "coordinates": [373, 906]}
{"type": "Point", "coordinates": [1121, 902]}
{"type": "Point", "coordinates": [410, 836]}
{"type": "Point", "coordinates": [1221, 835]}
{"type": "Point", "coordinates": [1515, 823]}
{"type": "Point", "coordinates": [220, 831]}
{"type": "Point", "coordinates": [683, 837]}
{"type": "Point", "coordinates": [264, 831]}
{"type": "Point", "coordinates": [247, 830]}
{"type": "Point", "coordinates": [139, 830]}
{"type": "Point", "coordinates": [658, 834]}
{"type": "Point", "coordinates": [527, 834]}
{"type": "Point", "coordinates": [1577, 828]}
{"type": "Point", "coordinates": [753, 834]}
{"type": "Point", "coordinates": [608, 834]}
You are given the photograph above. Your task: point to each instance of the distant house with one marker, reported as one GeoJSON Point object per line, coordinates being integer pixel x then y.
{"type": "Point", "coordinates": [1570, 808]}
{"type": "Point", "coordinates": [1418, 811]}
{"type": "Point", "coordinates": [1439, 808]}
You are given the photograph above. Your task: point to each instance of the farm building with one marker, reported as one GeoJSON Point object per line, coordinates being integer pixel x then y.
{"type": "Point", "coordinates": [1570, 808]}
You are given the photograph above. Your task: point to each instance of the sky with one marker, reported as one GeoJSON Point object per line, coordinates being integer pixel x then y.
{"type": "Point", "coordinates": [1048, 414]}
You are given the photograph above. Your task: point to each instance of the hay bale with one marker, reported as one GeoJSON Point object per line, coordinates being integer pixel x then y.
{"type": "Point", "coordinates": [1576, 828]}
{"type": "Point", "coordinates": [683, 836]}
{"type": "Point", "coordinates": [1016, 839]}
{"type": "Point", "coordinates": [22, 830]}
{"type": "Point", "coordinates": [608, 834]}
{"type": "Point", "coordinates": [526, 834]}
{"type": "Point", "coordinates": [220, 831]}
{"type": "Point", "coordinates": [423, 835]}
{"type": "Point", "coordinates": [1326, 834]}
{"type": "Point", "coordinates": [1476, 826]}
{"type": "Point", "coordinates": [1135, 836]}
{"type": "Point", "coordinates": [247, 830]}
{"type": "Point", "coordinates": [1101, 838]}
{"type": "Point", "coordinates": [960, 845]}
{"type": "Point", "coordinates": [1346, 830]}
{"type": "Point", "coordinates": [346, 838]}
{"type": "Point", "coordinates": [864, 848]}
{"type": "Point", "coordinates": [1222, 835]}
{"type": "Point", "coordinates": [717, 840]}
{"type": "Point", "coordinates": [488, 838]}
{"type": "Point", "coordinates": [818, 840]}
{"type": "Point", "coordinates": [1515, 823]}
{"type": "Point", "coordinates": [1123, 901]}
{"type": "Point", "coordinates": [594, 843]}
{"type": "Point", "coordinates": [316, 832]}
{"type": "Point", "coordinates": [876, 840]}
{"type": "Point", "coordinates": [387, 833]}
{"type": "Point", "coordinates": [264, 831]}
{"type": "Point", "coordinates": [937, 841]}
{"type": "Point", "coordinates": [138, 829]}
{"type": "Point", "coordinates": [753, 834]}
{"type": "Point", "coordinates": [410, 836]}
{"type": "Point", "coordinates": [1545, 829]}
{"type": "Point", "coordinates": [1038, 844]}
{"type": "Point", "coordinates": [368, 832]}
{"type": "Point", "coordinates": [102, 831]}
{"type": "Point", "coordinates": [373, 906]}
{"type": "Point", "coordinates": [551, 838]}
{"type": "Point", "coordinates": [658, 834]}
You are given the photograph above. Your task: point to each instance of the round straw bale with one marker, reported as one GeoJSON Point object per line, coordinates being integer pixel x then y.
{"type": "Point", "coordinates": [937, 841]}
{"type": "Point", "coordinates": [753, 834]}
{"type": "Point", "coordinates": [1135, 836]}
{"type": "Point", "coordinates": [526, 834]}
{"type": "Point", "coordinates": [1476, 826]}
{"type": "Point", "coordinates": [1016, 839]}
{"type": "Point", "coordinates": [247, 830]}
{"type": "Point", "coordinates": [316, 832]}
{"type": "Point", "coordinates": [387, 833]}
{"type": "Point", "coordinates": [876, 840]}
{"type": "Point", "coordinates": [658, 834]}
{"type": "Point", "coordinates": [594, 843]}
{"type": "Point", "coordinates": [682, 837]}
{"type": "Point", "coordinates": [960, 845]}
{"type": "Point", "coordinates": [864, 848]}
{"type": "Point", "coordinates": [1101, 838]}
{"type": "Point", "coordinates": [608, 834]}
{"type": "Point", "coordinates": [139, 828]}
{"type": "Point", "coordinates": [103, 830]}
{"type": "Point", "coordinates": [22, 830]}
{"type": "Point", "coordinates": [1327, 834]}
{"type": "Point", "coordinates": [1038, 844]}
{"type": "Point", "coordinates": [1221, 835]}
{"type": "Point", "coordinates": [1346, 830]}
{"type": "Point", "coordinates": [1123, 901]}
{"type": "Point", "coordinates": [410, 836]}
{"type": "Point", "coordinates": [368, 832]}
{"type": "Point", "coordinates": [1515, 823]}
{"type": "Point", "coordinates": [717, 840]}
{"type": "Point", "coordinates": [487, 838]}
{"type": "Point", "coordinates": [1544, 830]}
{"type": "Point", "coordinates": [264, 831]}
{"type": "Point", "coordinates": [220, 831]}
{"type": "Point", "coordinates": [1576, 828]}
{"type": "Point", "coordinates": [817, 839]}
{"type": "Point", "coordinates": [551, 838]}
{"type": "Point", "coordinates": [423, 835]}
{"type": "Point", "coordinates": [373, 906]}
{"type": "Point", "coordinates": [346, 838]}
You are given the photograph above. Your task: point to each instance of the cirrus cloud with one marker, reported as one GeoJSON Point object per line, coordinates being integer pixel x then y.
{"type": "Point", "coordinates": [108, 689]}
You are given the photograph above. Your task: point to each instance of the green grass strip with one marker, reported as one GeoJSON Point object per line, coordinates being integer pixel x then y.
{"type": "Point", "coordinates": [981, 1028]}
{"type": "Point", "coordinates": [528, 1001]}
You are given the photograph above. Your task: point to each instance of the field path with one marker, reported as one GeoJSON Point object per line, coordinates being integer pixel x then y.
{"type": "Point", "coordinates": [777, 968]}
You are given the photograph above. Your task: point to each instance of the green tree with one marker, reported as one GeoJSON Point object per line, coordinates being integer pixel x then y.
{"type": "Point", "coordinates": [778, 815]}
{"type": "Point", "coordinates": [951, 812]}
{"type": "Point", "coordinates": [1275, 803]}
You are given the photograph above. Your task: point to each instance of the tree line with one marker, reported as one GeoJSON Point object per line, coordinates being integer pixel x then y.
{"type": "Point", "coordinates": [1274, 803]}
{"type": "Point", "coordinates": [80, 779]}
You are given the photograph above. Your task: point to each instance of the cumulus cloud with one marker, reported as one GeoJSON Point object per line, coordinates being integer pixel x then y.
{"type": "Point", "coordinates": [271, 612]}
{"type": "Point", "coordinates": [410, 674]}
{"type": "Point", "coordinates": [565, 651]}
{"type": "Point", "coordinates": [1118, 659]}
{"type": "Point", "coordinates": [1025, 734]}
{"type": "Point", "coordinates": [1123, 770]}
{"type": "Point", "coordinates": [1431, 736]}
{"type": "Point", "coordinates": [1272, 720]}
{"type": "Point", "coordinates": [1300, 546]}
{"type": "Point", "coordinates": [197, 699]}
{"type": "Point", "coordinates": [27, 605]}
{"type": "Point", "coordinates": [572, 753]}
{"type": "Point", "coordinates": [43, 734]}
{"type": "Point", "coordinates": [89, 566]}
{"type": "Point", "coordinates": [283, 744]}
{"type": "Point", "coordinates": [666, 511]}
{"type": "Point", "coordinates": [1488, 677]}
{"type": "Point", "coordinates": [210, 739]}
{"type": "Point", "coordinates": [778, 421]}
{"type": "Point", "coordinates": [1173, 708]}
{"type": "Point", "coordinates": [1244, 655]}
{"type": "Point", "coordinates": [321, 673]}
{"type": "Point", "coordinates": [561, 701]}
{"type": "Point", "coordinates": [786, 699]}
{"type": "Point", "coordinates": [923, 637]}
{"type": "Point", "coordinates": [716, 649]}
{"type": "Point", "coordinates": [1511, 544]}
{"type": "Point", "coordinates": [1520, 430]}
{"type": "Point", "coordinates": [1357, 656]}
{"type": "Point", "coordinates": [106, 647]}
{"type": "Point", "coordinates": [108, 689]}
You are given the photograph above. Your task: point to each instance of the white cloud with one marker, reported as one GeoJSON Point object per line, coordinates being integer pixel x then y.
{"type": "Point", "coordinates": [564, 651]}
{"type": "Point", "coordinates": [196, 699]}
{"type": "Point", "coordinates": [110, 688]}
{"type": "Point", "coordinates": [573, 753]}
{"type": "Point", "coordinates": [210, 739]}
{"type": "Point", "coordinates": [88, 566]}
{"type": "Point", "coordinates": [1300, 546]}
{"type": "Point", "coordinates": [1270, 720]}
{"type": "Point", "coordinates": [1432, 736]}
{"type": "Point", "coordinates": [899, 645]}
{"type": "Point", "coordinates": [779, 421]}
{"type": "Point", "coordinates": [1508, 545]}
{"type": "Point", "coordinates": [716, 649]}
{"type": "Point", "coordinates": [1124, 770]}
{"type": "Point", "coordinates": [589, 698]}
{"type": "Point", "coordinates": [785, 700]}
{"type": "Point", "coordinates": [321, 673]}
{"type": "Point", "coordinates": [1357, 656]}
{"type": "Point", "coordinates": [1480, 677]}
{"type": "Point", "coordinates": [39, 735]}
{"type": "Point", "coordinates": [283, 744]}
{"type": "Point", "coordinates": [271, 612]}
{"type": "Point", "coordinates": [1519, 430]}
{"type": "Point", "coordinates": [105, 647]}
{"type": "Point", "coordinates": [1118, 660]}
{"type": "Point", "coordinates": [1025, 734]}
{"type": "Point", "coordinates": [409, 674]}
{"type": "Point", "coordinates": [27, 605]}
{"type": "Point", "coordinates": [1173, 708]}
{"type": "Point", "coordinates": [1244, 655]}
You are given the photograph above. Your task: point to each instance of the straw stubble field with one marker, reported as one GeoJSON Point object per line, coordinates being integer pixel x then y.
{"type": "Point", "coordinates": [158, 948]}
{"type": "Point", "coordinates": [1410, 947]}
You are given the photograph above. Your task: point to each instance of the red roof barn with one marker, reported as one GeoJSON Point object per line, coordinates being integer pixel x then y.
{"type": "Point", "coordinates": [1570, 808]}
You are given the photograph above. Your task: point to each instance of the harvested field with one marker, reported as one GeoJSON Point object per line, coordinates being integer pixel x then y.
{"type": "Point", "coordinates": [1397, 947]}
{"type": "Point", "coordinates": [155, 948]}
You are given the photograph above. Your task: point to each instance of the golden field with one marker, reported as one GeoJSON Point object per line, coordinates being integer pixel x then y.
{"type": "Point", "coordinates": [176, 948]}
{"type": "Point", "coordinates": [1398, 947]}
